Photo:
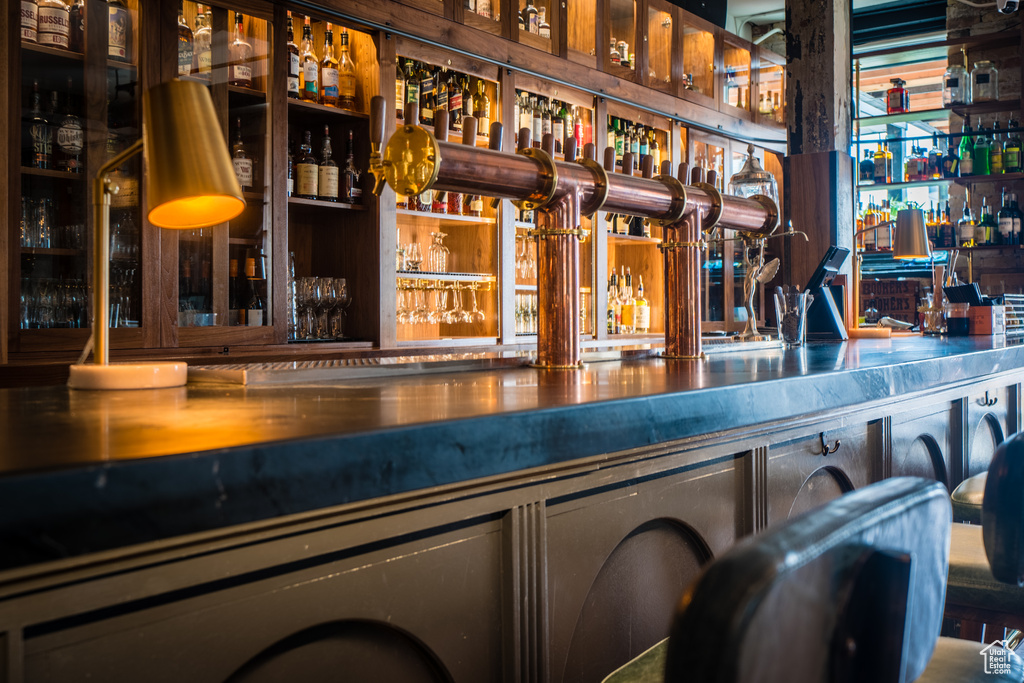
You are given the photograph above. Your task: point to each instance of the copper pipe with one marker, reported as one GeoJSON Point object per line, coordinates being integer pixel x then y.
{"type": "Point", "coordinates": [558, 280]}
{"type": "Point", "coordinates": [682, 289]}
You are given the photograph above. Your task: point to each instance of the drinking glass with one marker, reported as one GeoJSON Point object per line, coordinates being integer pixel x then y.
{"type": "Point", "coordinates": [342, 299]}
{"type": "Point", "coordinates": [43, 224]}
{"type": "Point", "coordinates": [413, 256]}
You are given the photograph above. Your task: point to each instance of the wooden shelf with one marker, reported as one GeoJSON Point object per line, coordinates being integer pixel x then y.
{"type": "Point", "coordinates": [117, 64]}
{"type": "Point", "coordinates": [40, 251]}
{"type": "Point", "coordinates": [247, 95]}
{"type": "Point", "coordinates": [257, 196]}
{"type": "Point", "coordinates": [303, 105]}
{"type": "Point", "coordinates": [448, 218]}
{"type": "Point", "coordinates": [996, 178]}
{"type": "Point", "coordinates": [444, 277]}
{"type": "Point", "coordinates": [632, 239]}
{"type": "Point", "coordinates": [533, 288]}
{"type": "Point", "coordinates": [986, 107]}
{"type": "Point", "coordinates": [53, 52]}
{"type": "Point", "coordinates": [51, 173]}
{"type": "Point", "coordinates": [319, 203]}
{"type": "Point", "coordinates": [525, 226]}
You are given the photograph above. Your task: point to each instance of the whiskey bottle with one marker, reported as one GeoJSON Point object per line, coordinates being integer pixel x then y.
{"type": "Point", "coordinates": [353, 193]}
{"type": "Point", "coordinates": [186, 50]}
{"type": "Point", "coordinates": [482, 108]}
{"type": "Point", "coordinates": [1004, 235]}
{"type": "Point", "coordinates": [306, 170]}
{"type": "Point", "coordinates": [412, 84]}
{"type": "Point", "coordinates": [1011, 150]}
{"type": "Point", "coordinates": [558, 127]}
{"type": "Point", "coordinates": [119, 31]}
{"type": "Point", "coordinates": [543, 27]}
{"type": "Point", "coordinates": [329, 71]}
{"type": "Point", "coordinates": [29, 21]}
{"type": "Point", "coordinates": [530, 17]}
{"type": "Point", "coordinates": [327, 185]}
{"type": "Point", "coordinates": [628, 305]}
{"type": "Point", "coordinates": [254, 302]}
{"type": "Point", "coordinates": [234, 305]}
{"type": "Point", "coordinates": [467, 101]}
{"type": "Point", "coordinates": [70, 138]}
{"type": "Point", "coordinates": [240, 57]}
{"type": "Point", "coordinates": [455, 103]}
{"type": "Point", "coordinates": [39, 132]}
{"type": "Point", "coordinates": [441, 93]}
{"type": "Point", "coordinates": [346, 75]}
{"type": "Point", "coordinates": [642, 310]}
{"type": "Point", "coordinates": [426, 80]}
{"type": "Point", "coordinates": [241, 160]}
{"type": "Point", "coordinates": [309, 73]}
{"type": "Point", "coordinates": [203, 42]}
{"type": "Point", "coordinates": [399, 90]}
{"type": "Point", "coordinates": [54, 19]}
{"type": "Point", "coordinates": [76, 37]}
{"type": "Point", "coordinates": [293, 61]}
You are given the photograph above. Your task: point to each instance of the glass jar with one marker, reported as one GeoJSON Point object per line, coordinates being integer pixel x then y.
{"type": "Point", "coordinates": [984, 82]}
{"type": "Point", "coordinates": [956, 86]}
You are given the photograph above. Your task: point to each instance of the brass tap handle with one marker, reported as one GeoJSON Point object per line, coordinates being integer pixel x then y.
{"type": "Point", "coordinates": [469, 128]}
{"type": "Point", "coordinates": [547, 144]}
{"type": "Point", "coordinates": [412, 113]}
{"type": "Point", "coordinates": [712, 178]}
{"type": "Point", "coordinates": [525, 139]}
{"type": "Point", "coordinates": [682, 172]}
{"type": "Point", "coordinates": [609, 159]}
{"type": "Point", "coordinates": [378, 107]}
{"type": "Point", "coordinates": [570, 149]}
{"type": "Point", "coordinates": [627, 163]}
{"type": "Point", "coordinates": [647, 166]}
{"type": "Point", "coordinates": [497, 136]}
{"type": "Point", "coordinates": [590, 151]}
{"type": "Point", "coordinates": [441, 125]}
{"type": "Point", "coordinates": [666, 167]}
{"type": "Point", "coordinates": [696, 175]}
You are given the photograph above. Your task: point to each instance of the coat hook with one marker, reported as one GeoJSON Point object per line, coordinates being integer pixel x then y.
{"type": "Point", "coordinates": [825, 450]}
{"type": "Point", "coordinates": [988, 402]}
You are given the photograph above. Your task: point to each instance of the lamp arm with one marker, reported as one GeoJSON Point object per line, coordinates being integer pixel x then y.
{"type": "Point", "coordinates": [101, 192]}
{"type": "Point", "coordinates": [875, 227]}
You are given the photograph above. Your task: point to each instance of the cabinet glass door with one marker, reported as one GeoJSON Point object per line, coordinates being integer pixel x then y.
{"type": "Point", "coordinates": [771, 84]}
{"type": "Point", "coordinates": [736, 88]}
{"type": "Point", "coordinates": [621, 47]}
{"type": "Point", "coordinates": [698, 60]}
{"type": "Point", "coordinates": [483, 14]}
{"type": "Point", "coordinates": [538, 24]}
{"type": "Point", "coordinates": [661, 32]}
{"type": "Point", "coordinates": [582, 32]}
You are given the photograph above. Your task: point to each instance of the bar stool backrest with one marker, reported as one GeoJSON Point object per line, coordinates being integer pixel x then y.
{"type": "Point", "coordinates": [851, 591]}
{"type": "Point", "coordinates": [1002, 511]}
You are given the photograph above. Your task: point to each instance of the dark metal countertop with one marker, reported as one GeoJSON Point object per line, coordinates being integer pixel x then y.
{"type": "Point", "coordinates": [88, 471]}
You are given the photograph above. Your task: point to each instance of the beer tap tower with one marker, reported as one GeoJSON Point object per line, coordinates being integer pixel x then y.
{"type": "Point", "coordinates": [414, 161]}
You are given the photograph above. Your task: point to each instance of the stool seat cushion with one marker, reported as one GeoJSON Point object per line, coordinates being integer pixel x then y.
{"type": "Point", "coordinates": [967, 499]}
{"type": "Point", "coordinates": [972, 591]}
{"type": "Point", "coordinates": [961, 661]}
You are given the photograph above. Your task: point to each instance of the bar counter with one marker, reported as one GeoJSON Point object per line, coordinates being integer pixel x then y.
{"type": "Point", "coordinates": [87, 471]}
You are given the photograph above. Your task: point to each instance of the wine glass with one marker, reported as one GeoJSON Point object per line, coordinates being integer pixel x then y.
{"type": "Point", "coordinates": [413, 256]}
{"type": "Point", "coordinates": [342, 299]}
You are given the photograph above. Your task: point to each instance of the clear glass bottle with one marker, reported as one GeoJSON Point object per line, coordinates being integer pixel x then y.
{"type": "Point", "coordinates": [327, 171]}
{"type": "Point", "coordinates": [965, 227]}
{"type": "Point", "coordinates": [352, 192]}
{"type": "Point", "coordinates": [203, 43]}
{"type": "Point", "coordinates": [329, 71]}
{"type": "Point", "coordinates": [70, 138]}
{"type": "Point", "coordinates": [346, 75]}
{"type": "Point", "coordinates": [241, 159]}
{"type": "Point", "coordinates": [240, 56]}
{"type": "Point", "coordinates": [186, 51]}
{"type": "Point", "coordinates": [309, 67]}
{"type": "Point", "coordinates": [437, 253]}
{"type": "Point", "coordinates": [293, 61]}
{"type": "Point", "coordinates": [306, 170]}
{"type": "Point", "coordinates": [543, 27]}
{"type": "Point", "coordinates": [482, 108]}
{"type": "Point", "coordinates": [956, 86]}
{"type": "Point", "coordinates": [984, 82]}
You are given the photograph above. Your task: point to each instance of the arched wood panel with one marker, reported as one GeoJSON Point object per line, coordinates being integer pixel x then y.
{"type": "Point", "coordinates": [921, 444]}
{"type": "Point", "coordinates": [987, 434]}
{"type": "Point", "coordinates": [824, 484]}
{"type": "Point", "coordinates": [922, 457]}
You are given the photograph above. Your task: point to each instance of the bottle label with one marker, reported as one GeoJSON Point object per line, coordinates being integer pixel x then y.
{"type": "Point", "coordinates": [399, 95]}
{"type": "Point", "coordinates": [310, 74]}
{"type": "Point", "coordinates": [41, 144]}
{"type": "Point", "coordinates": [205, 61]}
{"type": "Point", "coordinates": [966, 165]}
{"type": "Point", "coordinates": [54, 27]}
{"type": "Point", "coordinates": [879, 172]}
{"type": "Point", "coordinates": [628, 315]}
{"type": "Point", "coordinates": [1006, 227]}
{"type": "Point", "coordinates": [412, 92]}
{"type": "Point", "coordinates": [895, 102]}
{"type": "Point", "coordinates": [29, 20]}
{"type": "Point", "coordinates": [293, 67]}
{"type": "Point", "coordinates": [329, 79]}
{"type": "Point", "coordinates": [455, 102]}
{"type": "Point", "coordinates": [307, 179]}
{"type": "Point", "coordinates": [70, 137]}
{"type": "Point", "coordinates": [127, 194]}
{"type": "Point", "coordinates": [184, 56]}
{"type": "Point", "coordinates": [1011, 158]}
{"type": "Point", "coordinates": [965, 232]}
{"type": "Point", "coordinates": [952, 83]}
{"type": "Point", "coordinates": [328, 181]}
{"type": "Point", "coordinates": [980, 79]}
{"type": "Point", "coordinates": [545, 31]}
{"type": "Point", "coordinates": [442, 96]}
{"type": "Point", "coordinates": [538, 130]}
{"type": "Point", "coordinates": [643, 318]}
{"type": "Point", "coordinates": [347, 87]}
{"type": "Point", "coordinates": [241, 73]}
{"type": "Point", "coordinates": [483, 8]}
{"type": "Point", "coordinates": [243, 169]}
{"type": "Point", "coordinates": [291, 186]}
{"type": "Point", "coordinates": [254, 317]}
{"type": "Point", "coordinates": [558, 131]}
{"type": "Point", "coordinates": [427, 86]}
{"type": "Point", "coordinates": [117, 33]}
{"type": "Point", "coordinates": [545, 126]}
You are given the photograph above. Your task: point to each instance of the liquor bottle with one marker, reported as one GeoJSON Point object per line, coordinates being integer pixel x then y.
{"type": "Point", "coordinates": [70, 138]}
{"type": "Point", "coordinates": [29, 21]}
{"type": "Point", "coordinates": [897, 99]}
{"type": "Point", "coordinates": [346, 75]}
{"type": "Point", "coordinates": [543, 27]}
{"type": "Point", "coordinates": [329, 88]}
{"type": "Point", "coordinates": [353, 193]}
{"type": "Point", "coordinates": [935, 158]}
{"type": "Point", "coordinates": [545, 118]}
{"type": "Point", "coordinates": [1004, 219]}
{"type": "Point", "coordinates": [306, 171]}
{"type": "Point", "coordinates": [880, 167]}
{"type": "Point", "coordinates": [293, 61]}
{"type": "Point", "coordinates": [412, 84]}
{"type": "Point", "coordinates": [536, 122]}
{"type": "Point", "coordinates": [530, 17]}
{"type": "Point", "coordinates": [254, 302]}
{"type": "Point", "coordinates": [644, 144]}
{"type": "Point", "coordinates": [290, 181]}
{"type": "Point", "coordinates": [203, 43]}
{"type": "Point", "coordinates": [987, 228]}
{"type": "Point", "coordinates": [76, 35]}
{"type": "Point", "coordinates": [965, 227]}
{"type": "Point", "coordinates": [1018, 216]}
{"type": "Point", "coordinates": [474, 206]}
{"type": "Point", "coordinates": [39, 132]}
{"type": "Point", "coordinates": [558, 127]}
{"type": "Point", "coordinates": [890, 177]}
{"type": "Point", "coordinates": [240, 57]}
{"type": "Point", "coordinates": [947, 234]}
{"type": "Point", "coordinates": [628, 321]}
{"type": "Point", "coordinates": [614, 56]}
{"type": "Point", "coordinates": [327, 171]}
{"type": "Point", "coordinates": [186, 51]}
{"type": "Point", "coordinates": [867, 168]}
{"type": "Point", "coordinates": [399, 90]}
{"type": "Point", "coordinates": [441, 93]}
{"type": "Point", "coordinates": [454, 103]}
{"type": "Point", "coordinates": [616, 304]}
{"type": "Point", "coordinates": [234, 305]}
{"type": "Point", "coordinates": [241, 160]}
{"type": "Point", "coordinates": [995, 152]}
{"type": "Point", "coordinates": [966, 149]}
{"type": "Point", "coordinates": [982, 149]}
{"type": "Point", "coordinates": [54, 19]}
{"type": "Point", "coordinates": [119, 31]}
{"type": "Point", "coordinates": [467, 104]}
{"type": "Point", "coordinates": [482, 107]}
{"type": "Point", "coordinates": [483, 8]}
{"type": "Point", "coordinates": [309, 72]}
{"type": "Point", "coordinates": [951, 161]}
{"type": "Point", "coordinates": [611, 133]}
{"type": "Point", "coordinates": [426, 79]}
{"type": "Point", "coordinates": [655, 151]}
{"type": "Point", "coordinates": [1011, 150]}
{"type": "Point", "coordinates": [642, 309]}
{"type": "Point", "coordinates": [620, 142]}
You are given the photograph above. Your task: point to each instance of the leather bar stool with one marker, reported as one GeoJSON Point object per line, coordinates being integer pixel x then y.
{"type": "Point", "coordinates": [851, 591]}
{"type": "Point", "coordinates": [986, 562]}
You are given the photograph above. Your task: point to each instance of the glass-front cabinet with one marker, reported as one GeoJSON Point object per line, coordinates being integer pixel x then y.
{"type": "Point", "coordinates": [621, 37]}
{"type": "Point", "coordinates": [581, 32]}
{"type": "Point", "coordinates": [662, 43]}
{"type": "Point", "coordinates": [538, 24]}
{"type": "Point", "coordinates": [736, 77]}
{"type": "Point", "coordinates": [698, 59]}
{"type": "Point", "coordinates": [771, 86]}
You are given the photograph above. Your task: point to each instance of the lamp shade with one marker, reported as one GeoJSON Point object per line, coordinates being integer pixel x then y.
{"type": "Point", "coordinates": [911, 237]}
{"type": "Point", "coordinates": [191, 179]}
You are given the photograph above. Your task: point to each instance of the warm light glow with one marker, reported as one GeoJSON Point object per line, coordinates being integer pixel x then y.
{"type": "Point", "coordinates": [196, 212]}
